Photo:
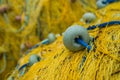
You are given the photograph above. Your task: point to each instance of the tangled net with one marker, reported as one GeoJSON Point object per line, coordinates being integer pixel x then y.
{"type": "Point", "coordinates": [58, 63]}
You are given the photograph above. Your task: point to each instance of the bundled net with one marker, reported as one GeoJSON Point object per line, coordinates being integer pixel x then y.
{"type": "Point", "coordinates": [58, 63]}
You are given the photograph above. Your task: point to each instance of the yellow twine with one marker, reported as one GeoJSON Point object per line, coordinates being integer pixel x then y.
{"type": "Point", "coordinates": [37, 19]}
{"type": "Point", "coordinates": [57, 62]}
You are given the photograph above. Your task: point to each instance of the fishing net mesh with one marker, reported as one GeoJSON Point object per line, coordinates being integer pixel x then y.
{"type": "Point", "coordinates": [57, 62]}
{"type": "Point", "coordinates": [38, 19]}
{"type": "Point", "coordinates": [27, 22]}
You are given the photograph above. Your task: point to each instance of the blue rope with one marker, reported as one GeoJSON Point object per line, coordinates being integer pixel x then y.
{"type": "Point", "coordinates": [103, 25]}
{"type": "Point", "coordinates": [80, 41]}
{"type": "Point", "coordinates": [46, 41]}
{"type": "Point", "coordinates": [110, 1]}
{"type": "Point", "coordinates": [83, 60]}
{"type": "Point", "coordinates": [23, 66]}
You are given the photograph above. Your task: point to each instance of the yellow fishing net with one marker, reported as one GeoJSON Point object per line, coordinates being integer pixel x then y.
{"type": "Point", "coordinates": [58, 63]}
{"type": "Point", "coordinates": [61, 64]}
{"type": "Point", "coordinates": [23, 23]}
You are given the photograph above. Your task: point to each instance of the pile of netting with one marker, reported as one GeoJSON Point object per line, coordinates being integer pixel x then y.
{"type": "Point", "coordinates": [23, 23]}
{"type": "Point", "coordinates": [59, 63]}
{"type": "Point", "coordinates": [102, 62]}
